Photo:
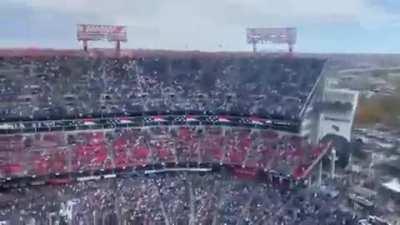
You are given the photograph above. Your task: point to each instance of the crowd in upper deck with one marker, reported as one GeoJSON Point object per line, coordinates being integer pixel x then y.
{"type": "Point", "coordinates": [60, 87]}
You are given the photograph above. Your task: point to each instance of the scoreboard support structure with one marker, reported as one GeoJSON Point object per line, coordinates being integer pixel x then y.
{"type": "Point", "coordinates": [85, 45]}
{"type": "Point", "coordinates": [91, 32]}
{"type": "Point", "coordinates": [254, 47]}
{"type": "Point", "coordinates": [118, 46]}
{"type": "Point", "coordinates": [286, 35]}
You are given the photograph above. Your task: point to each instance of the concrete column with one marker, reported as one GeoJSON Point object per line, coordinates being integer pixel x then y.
{"type": "Point", "coordinates": [94, 217]}
{"type": "Point", "coordinates": [85, 45]}
{"type": "Point", "coordinates": [333, 163]}
{"type": "Point", "coordinates": [118, 47]}
{"type": "Point", "coordinates": [254, 47]}
{"type": "Point", "coordinates": [371, 164]}
{"type": "Point", "coordinates": [309, 181]}
{"type": "Point", "coordinates": [350, 165]}
{"type": "Point", "coordinates": [319, 175]}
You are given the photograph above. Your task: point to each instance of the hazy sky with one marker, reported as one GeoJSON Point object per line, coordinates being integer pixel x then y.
{"type": "Point", "coordinates": [323, 25]}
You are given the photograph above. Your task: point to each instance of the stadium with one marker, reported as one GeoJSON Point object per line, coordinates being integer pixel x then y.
{"type": "Point", "coordinates": [167, 137]}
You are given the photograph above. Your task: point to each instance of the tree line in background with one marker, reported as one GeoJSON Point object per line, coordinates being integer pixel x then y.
{"type": "Point", "coordinates": [380, 109]}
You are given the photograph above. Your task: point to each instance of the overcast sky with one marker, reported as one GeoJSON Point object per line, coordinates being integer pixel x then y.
{"type": "Point", "coordinates": [211, 25]}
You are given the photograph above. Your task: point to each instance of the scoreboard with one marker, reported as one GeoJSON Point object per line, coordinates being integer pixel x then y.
{"type": "Point", "coordinates": [90, 32]}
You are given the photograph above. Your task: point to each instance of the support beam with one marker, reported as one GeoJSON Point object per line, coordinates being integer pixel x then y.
{"type": "Point", "coordinates": [319, 174]}
{"type": "Point", "coordinates": [333, 163]}
{"type": "Point", "coordinates": [350, 165]}
{"type": "Point", "coordinates": [85, 45]}
{"type": "Point", "coordinates": [309, 181]}
{"type": "Point", "coordinates": [118, 48]}
{"type": "Point", "coordinates": [94, 217]}
{"type": "Point", "coordinates": [254, 47]}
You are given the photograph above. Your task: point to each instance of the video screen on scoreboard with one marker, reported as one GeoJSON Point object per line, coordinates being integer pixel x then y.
{"type": "Point", "coordinates": [274, 35]}
{"type": "Point", "coordinates": [101, 32]}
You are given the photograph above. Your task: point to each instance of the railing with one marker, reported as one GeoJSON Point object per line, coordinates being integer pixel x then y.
{"type": "Point", "coordinates": [100, 123]}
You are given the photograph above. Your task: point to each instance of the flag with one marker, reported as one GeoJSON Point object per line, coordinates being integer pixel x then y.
{"type": "Point", "coordinates": [256, 121]}
{"type": "Point", "coordinates": [158, 119]}
{"type": "Point", "coordinates": [88, 122]}
{"type": "Point", "coordinates": [223, 119]}
{"type": "Point", "coordinates": [125, 121]}
{"type": "Point", "coordinates": [191, 119]}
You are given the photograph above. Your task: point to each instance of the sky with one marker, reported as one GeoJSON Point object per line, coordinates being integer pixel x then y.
{"type": "Point", "coordinates": [324, 26]}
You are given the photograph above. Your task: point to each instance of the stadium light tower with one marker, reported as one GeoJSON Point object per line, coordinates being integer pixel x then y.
{"type": "Point", "coordinates": [90, 32]}
{"type": "Point", "coordinates": [287, 35]}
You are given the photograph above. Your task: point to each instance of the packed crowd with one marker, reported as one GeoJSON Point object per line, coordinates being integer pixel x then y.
{"type": "Point", "coordinates": [179, 198]}
{"type": "Point", "coordinates": [70, 87]}
{"type": "Point", "coordinates": [64, 152]}
{"type": "Point", "coordinates": [50, 88]}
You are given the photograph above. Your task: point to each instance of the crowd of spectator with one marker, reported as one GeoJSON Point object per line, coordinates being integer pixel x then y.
{"type": "Point", "coordinates": [70, 87]}
{"type": "Point", "coordinates": [67, 152]}
{"type": "Point", "coordinates": [178, 198]}
{"type": "Point", "coordinates": [56, 88]}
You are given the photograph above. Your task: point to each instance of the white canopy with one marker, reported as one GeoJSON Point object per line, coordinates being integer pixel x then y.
{"type": "Point", "coordinates": [393, 185]}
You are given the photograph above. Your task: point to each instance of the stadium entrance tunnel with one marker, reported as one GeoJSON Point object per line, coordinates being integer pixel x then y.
{"type": "Point", "coordinates": [342, 147]}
